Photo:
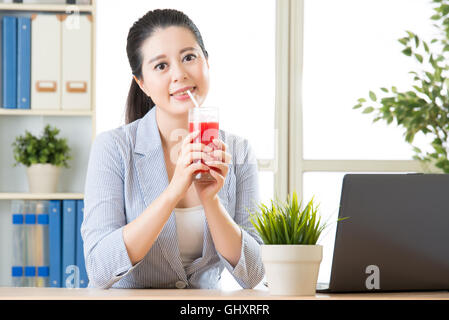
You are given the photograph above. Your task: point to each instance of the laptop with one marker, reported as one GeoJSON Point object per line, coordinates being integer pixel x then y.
{"type": "Point", "coordinates": [396, 237]}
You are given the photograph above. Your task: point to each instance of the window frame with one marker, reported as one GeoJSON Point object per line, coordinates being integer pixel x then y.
{"type": "Point", "coordinates": [279, 165]}
{"type": "Point", "coordinates": [290, 114]}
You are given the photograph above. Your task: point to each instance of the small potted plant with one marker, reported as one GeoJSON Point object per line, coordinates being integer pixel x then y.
{"type": "Point", "coordinates": [43, 158]}
{"type": "Point", "coordinates": [290, 252]}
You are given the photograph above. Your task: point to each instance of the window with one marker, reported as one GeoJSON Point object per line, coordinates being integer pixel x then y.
{"type": "Point", "coordinates": [241, 47]}
{"type": "Point", "coordinates": [349, 47]}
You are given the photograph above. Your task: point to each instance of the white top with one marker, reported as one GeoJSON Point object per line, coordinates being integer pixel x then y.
{"type": "Point", "coordinates": [190, 231]}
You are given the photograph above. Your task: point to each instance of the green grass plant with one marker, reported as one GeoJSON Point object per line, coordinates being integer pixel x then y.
{"type": "Point", "coordinates": [288, 223]}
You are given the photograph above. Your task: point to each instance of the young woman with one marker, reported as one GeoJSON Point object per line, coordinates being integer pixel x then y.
{"type": "Point", "coordinates": [147, 224]}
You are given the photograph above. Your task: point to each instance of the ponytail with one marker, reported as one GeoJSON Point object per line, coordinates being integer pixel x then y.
{"type": "Point", "coordinates": [137, 104]}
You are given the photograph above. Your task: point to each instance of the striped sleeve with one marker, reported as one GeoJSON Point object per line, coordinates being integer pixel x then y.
{"type": "Point", "coordinates": [249, 270]}
{"type": "Point", "coordinates": [105, 253]}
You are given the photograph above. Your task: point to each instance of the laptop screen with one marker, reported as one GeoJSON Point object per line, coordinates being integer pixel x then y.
{"type": "Point", "coordinates": [397, 234]}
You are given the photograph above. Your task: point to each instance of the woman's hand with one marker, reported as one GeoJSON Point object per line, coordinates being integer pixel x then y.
{"type": "Point", "coordinates": [218, 169]}
{"type": "Point", "coordinates": [186, 165]}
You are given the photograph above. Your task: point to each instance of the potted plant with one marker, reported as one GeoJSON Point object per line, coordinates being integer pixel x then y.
{"type": "Point", "coordinates": [290, 252]}
{"type": "Point", "coordinates": [425, 107]}
{"type": "Point", "coordinates": [43, 158]}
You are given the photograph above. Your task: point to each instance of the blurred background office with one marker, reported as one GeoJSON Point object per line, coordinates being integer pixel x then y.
{"type": "Point", "coordinates": [300, 65]}
{"type": "Point", "coordinates": [286, 75]}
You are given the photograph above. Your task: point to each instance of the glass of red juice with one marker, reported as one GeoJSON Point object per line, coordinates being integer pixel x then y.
{"type": "Point", "coordinates": [204, 119]}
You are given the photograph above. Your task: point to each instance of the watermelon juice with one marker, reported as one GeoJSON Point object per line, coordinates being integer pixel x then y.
{"type": "Point", "coordinates": [204, 119]}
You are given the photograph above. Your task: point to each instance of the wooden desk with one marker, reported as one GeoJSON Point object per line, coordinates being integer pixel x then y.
{"type": "Point", "coordinates": [7, 293]}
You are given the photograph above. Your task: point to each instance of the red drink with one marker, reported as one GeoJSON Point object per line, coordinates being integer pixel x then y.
{"type": "Point", "coordinates": [206, 121]}
{"type": "Point", "coordinates": [208, 132]}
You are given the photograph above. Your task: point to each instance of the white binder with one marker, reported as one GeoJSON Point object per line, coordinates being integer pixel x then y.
{"type": "Point", "coordinates": [76, 62]}
{"type": "Point", "coordinates": [45, 61]}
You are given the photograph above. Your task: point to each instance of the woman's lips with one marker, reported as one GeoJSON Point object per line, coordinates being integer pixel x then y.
{"type": "Point", "coordinates": [183, 97]}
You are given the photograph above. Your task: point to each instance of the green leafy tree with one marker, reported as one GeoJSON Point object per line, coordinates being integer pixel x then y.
{"type": "Point", "coordinates": [29, 149]}
{"type": "Point", "coordinates": [424, 107]}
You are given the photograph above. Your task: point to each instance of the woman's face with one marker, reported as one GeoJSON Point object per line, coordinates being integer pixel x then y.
{"type": "Point", "coordinates": [173, 61]}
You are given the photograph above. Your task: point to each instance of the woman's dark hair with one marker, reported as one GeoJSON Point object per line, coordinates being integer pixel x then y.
{"type": "Point", "coordinates": [138, 103]}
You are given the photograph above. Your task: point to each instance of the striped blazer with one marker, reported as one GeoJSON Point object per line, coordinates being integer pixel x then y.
{"type": "Point", "coordinates": [126, 173]}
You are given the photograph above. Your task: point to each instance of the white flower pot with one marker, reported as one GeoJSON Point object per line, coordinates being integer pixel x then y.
{"type": "Point", "coordinates": [43, 178]}
{"type": "Point", "coordinates": [292, 269]}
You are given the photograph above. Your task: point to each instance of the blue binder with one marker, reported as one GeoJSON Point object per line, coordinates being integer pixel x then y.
{"type": "Point", "coordinates": [79, 245]}
{"type": "Point", "coordinates": [43, 270]}
{"type": "Point", "coordinates": [55, 237]}
{"type": "Point", "coordinates": [68, 241]}
{"type": "Point", "coordinates": [9, 62]}
{"type": "Point", "coordinates": [23, 62]}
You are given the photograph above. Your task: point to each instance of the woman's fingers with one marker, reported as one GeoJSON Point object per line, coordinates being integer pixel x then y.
{"type": "Point", "coordinates": [189, 138]}
{"type": "Point", "coordinates": [198, 147]}
{"type": "Point", "coordinates": [220, 144]}
{"type": "Point", "coordinates": [193, 152]}
{"type": "Point", "coordinates": [222, 167]}
{"type": "Point", "coordinates": [221, 153]}
{"type": "Point", "coordinates": [222, 156]}
{"type": "Point", "coordinates": [198, 166]}
{"type": "Point", "coordinates": [192, 156]}
{"type": "Point", "coordinates": [217, 175]}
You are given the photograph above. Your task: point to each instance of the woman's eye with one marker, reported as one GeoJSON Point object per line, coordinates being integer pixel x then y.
{"type": "Point", "coordinates": [160, 66]}
{"type": "Point", "coordinates": [190, 57]}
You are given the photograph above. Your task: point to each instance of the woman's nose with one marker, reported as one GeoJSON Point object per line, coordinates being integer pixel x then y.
{"type": "Point", "coordinates": [178, 72]}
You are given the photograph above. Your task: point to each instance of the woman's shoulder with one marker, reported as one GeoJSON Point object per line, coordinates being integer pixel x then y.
{"type": "Point", "coordinates": [113, 149]}
{"type": "Point", "coordinates": [122, 137]}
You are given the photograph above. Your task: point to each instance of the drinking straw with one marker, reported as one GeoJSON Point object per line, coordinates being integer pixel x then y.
{"type": "Point", "coordinates": [193, 99]}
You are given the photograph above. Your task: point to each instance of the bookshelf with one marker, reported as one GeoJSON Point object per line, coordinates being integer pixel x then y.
{"type": "Point", "coordinates": [57, 113]}
{"type": "Point", "coordinates": [40, 196]}
{"type": "Point", "coordinates": [29, 7]}
{"type": "Point", "coordinates": [77, 126]}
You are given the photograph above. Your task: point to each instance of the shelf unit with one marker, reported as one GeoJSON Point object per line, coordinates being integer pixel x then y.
{"type": "Point", "coordinates": [56, 113]}
{"type": "Point", "coordinates": [40, 196]}
{"type": "Point", "coordinates": [78, 126]}
{"type": "Point", "coordinates": [46, 7]}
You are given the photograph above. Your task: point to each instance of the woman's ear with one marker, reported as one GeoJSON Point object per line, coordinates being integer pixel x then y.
{"type": "Point", "coordinates": [139, 83]}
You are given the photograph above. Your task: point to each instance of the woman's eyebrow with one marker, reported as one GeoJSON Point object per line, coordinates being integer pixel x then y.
{"type": "Point", "coordinates": [187, 49]}
{"type": "Point", "coordinates": [164, 56]}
